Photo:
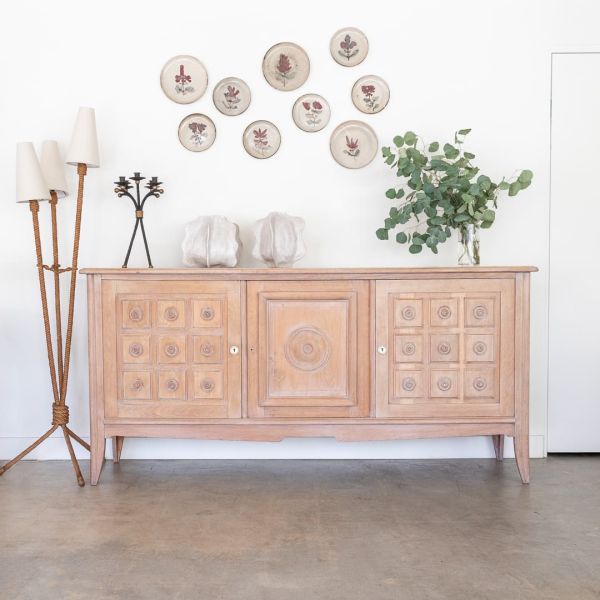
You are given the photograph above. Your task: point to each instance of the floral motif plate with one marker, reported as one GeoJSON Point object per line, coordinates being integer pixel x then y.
{"type": "Point", "coordinates": [353, 144]}
{"type": "Point", "coordinates": [311, 112]}
{"type": "Point", "coordinates": [261, 139]}
{"type": "Point", "coordinates": [370, 94]}
{"type": "Point", "coordinates": [184, 79]}
{"type": "Point", "coordinates": [231, 96]}
{"type": "Point", "coordinates": [286, 66]}
{"type": "Point", "coordinates": [349, 46]}
{"type": "Point", "coordinates": [197, 132]}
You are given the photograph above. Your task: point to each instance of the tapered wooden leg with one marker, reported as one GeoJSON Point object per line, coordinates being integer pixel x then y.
{"type": "Point", "coordinates": [117, 444]}
{"type": "Point", "coordinates": [74, 462]}
{"type": "Point", "coordinates": [522, 456]}
{"type": "Point", "coordinates": [97, 458]}
{"type": "Point", "coordinates": [498, 441]}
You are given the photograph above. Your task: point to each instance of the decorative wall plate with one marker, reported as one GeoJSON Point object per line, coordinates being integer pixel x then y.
{"type": "Point", "coordinates": [286, 66]}
{"type": "Point", "coordinates": [311, 112]}
{"type": "Point", "coordinates": [353, 144]}
{"type": "Point", "coordinates": [184, 79]}
{"type": "Point", "coordinates": [231, 96]}
{"type": "Point", "coordinates": [370, 94]}
{"type": "Point", "coordinates": [349, 46]}
{"type": "Point", "coordinates": [197, 132]}
{"type": "Point", "coordinates": [261, 139]}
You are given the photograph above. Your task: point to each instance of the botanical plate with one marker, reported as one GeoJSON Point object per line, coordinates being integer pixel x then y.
{"type": "Point", "coordinates": [353, 144]}
{"type": "Point", "coordinates": [261, 139]}
{"type": "Point", "coordinates": [370, 94]}
{"type": "Point", "coordinates": [231, 96]}
{"type": "Point", "coordinates": [197, 132]}
{"type": "Point", "coordinates": [311, 112]}
{"type": "Point", "coordinates": [286, 66]}
{"type": "Point", "coordinates": [184, 79]}
{"type": "Point", "coordinates": [349, 46]}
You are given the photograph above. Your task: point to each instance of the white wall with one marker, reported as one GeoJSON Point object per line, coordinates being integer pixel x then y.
{"type": "Point", "coordinates": [449, 65]}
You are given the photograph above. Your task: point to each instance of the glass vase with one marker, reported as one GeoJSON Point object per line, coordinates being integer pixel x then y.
{"type": "Point", "coordinates": [468, 245]}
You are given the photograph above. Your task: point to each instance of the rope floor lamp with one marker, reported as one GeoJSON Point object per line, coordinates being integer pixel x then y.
{"type": "Point", "coordinates": [43, 182]}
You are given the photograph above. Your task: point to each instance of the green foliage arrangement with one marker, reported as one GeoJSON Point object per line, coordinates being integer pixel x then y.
{"type": "Point", "coordinates": [442, 191]}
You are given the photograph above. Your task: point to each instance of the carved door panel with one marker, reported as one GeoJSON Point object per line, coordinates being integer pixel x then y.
{"type": "Point", "coordinates": [308, 349]}
{"type": "Point", "coordinates": [172, 349]}
{"type": "Point", "coordinates": [445, 348]}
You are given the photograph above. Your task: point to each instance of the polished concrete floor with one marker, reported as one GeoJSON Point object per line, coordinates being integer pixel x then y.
{"type": "Point", "coordinates": [335, 530]}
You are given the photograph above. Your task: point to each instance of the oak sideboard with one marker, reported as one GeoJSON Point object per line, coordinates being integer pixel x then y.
{"type": "Point", "coordinates": [267, 354]}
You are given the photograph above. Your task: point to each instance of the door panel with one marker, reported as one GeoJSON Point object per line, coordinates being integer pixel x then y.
{"type": "Point", "coordinates": [451, 348]}
{"type": "Point", "coordinates": [167, 349]}
{"type": "Point", "coordinates": [308, 348]}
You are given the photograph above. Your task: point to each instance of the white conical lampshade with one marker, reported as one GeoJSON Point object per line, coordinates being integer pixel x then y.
{"type": "Point", "coordinates": [84, 142]}
{"type": "Point", "coordinates": [31, 184]}
{"type": "Point", "coordinates": [53, 169]}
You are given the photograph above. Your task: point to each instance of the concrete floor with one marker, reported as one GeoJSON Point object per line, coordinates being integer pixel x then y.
{"type": "Point", "coordinates": [347, 530]}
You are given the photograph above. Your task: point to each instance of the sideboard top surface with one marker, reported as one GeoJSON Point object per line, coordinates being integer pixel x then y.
{"type": "Point", "coordinates": [316, 273]}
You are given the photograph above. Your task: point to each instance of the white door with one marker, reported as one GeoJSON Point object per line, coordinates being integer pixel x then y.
{"type": "Point", "coordinates": [574, 362]}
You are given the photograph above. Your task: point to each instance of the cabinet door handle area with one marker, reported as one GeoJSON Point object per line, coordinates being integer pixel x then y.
{"type": "Point", "coordinates": [233, 350]}
{"type": "Point", "coordinates": [382, 350]}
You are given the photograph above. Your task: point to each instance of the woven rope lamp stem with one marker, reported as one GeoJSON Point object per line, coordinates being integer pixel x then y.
{"type": "Point", "coordinates": [59, 374]}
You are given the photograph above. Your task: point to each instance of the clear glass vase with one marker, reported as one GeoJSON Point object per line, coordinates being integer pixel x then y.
{"type": "Point", "coordinates": [468, 245]}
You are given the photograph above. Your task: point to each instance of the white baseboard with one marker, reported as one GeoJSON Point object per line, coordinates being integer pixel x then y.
{"type": "Point", "coordinates": [322, 448]}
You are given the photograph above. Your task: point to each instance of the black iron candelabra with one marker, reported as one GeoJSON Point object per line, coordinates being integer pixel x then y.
{"type": "Point", "coordinates": [122, 189]}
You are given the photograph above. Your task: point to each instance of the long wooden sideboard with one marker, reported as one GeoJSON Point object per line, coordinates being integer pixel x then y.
{"type": "Point", "coordinates": [267, 354]}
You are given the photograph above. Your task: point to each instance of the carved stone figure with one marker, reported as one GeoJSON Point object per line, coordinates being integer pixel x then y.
{"type": "Point", "coordinates": [278, 239]}
{"type": "Point", "coordinates": [211, 241]}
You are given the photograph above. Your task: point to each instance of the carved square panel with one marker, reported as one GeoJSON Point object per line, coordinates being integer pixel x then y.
{"type": "Point", "coordinates": [171, 349]}
{"type": "Point", "coordinates": [171, 384]}
{"type": "Point", "coordinates": [408, 348]}
{"type": "Point", "coordinates": [480, 383]}
{"type": "Point", "coordinates": [135, 314]}
{"type": "Point", "coordinates": [408, 384]}
{"type": "Point", "coordinates": [207, 383]}
{"type": "Point", "coordinates": [135, 349]}
{"type": "Point", "coordinates": [479, 348]}
{"type": "Point", "coordinates": [443, 312]}
{"type": "Point", "coordinates": [444, 347]}
{"type": "Point", "coordinates": [170, 313]}
{"type": "Point", "coordinates": [137, 385]}
{"type": "Point", "coordinates": [479, 312]}
{"type": "Point", "coordinates": [307, 348]}
{"type": "Point", "coordinates": [207, 348]}
{"type": "Point", "coordinates": [444, 384]}
{"type": "Point", "coordinates": [408, 313]}
{"type": "Point", "coordinates": [207, 313]}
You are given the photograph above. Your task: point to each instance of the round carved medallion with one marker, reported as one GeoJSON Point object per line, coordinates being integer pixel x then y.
{"type": "Point", "coordinates": [171, 314]}
{"type": "Point", "coordinates": [479, 348]}
{"type": "Point", "coordinates": [206, 349]}
{"type": "Point", "coordinates": [307, 348]}
{"type": "Point", "coordinates": [136, 314]}
{"type": "Point", "coordinates": [408, 313]}
{"type": "Point", "coordinates": [444, 384]}
{"type": "Point", "coordinates": [480, 312]}
{"type": "Point", "coordinates": [172, 385]}
{"type": "Point", "coordinates": [207, 313]}
{"type": "Point", "coordinates": [444, 312]}
{"type": "Point", "coordinates": [171, 350]}
{"type": "Point", "coordinates": [409, 384]}
{"type": "Point", "coordinates": [136, 349]}
{"type": "Point", "coordinates": [409, 348]}
{"type": "Point", "coordinates": [479, 383]}
{"type": "Point", "coordinates": [208, 385]}
{"type": "Point", "coordinates": [137, 385]}
{"type": "Point", "coordinates": [444, 348]}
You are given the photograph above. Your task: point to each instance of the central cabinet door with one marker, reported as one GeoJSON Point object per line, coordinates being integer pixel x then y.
{"type": "Point", "coordinates": [308, 349]}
